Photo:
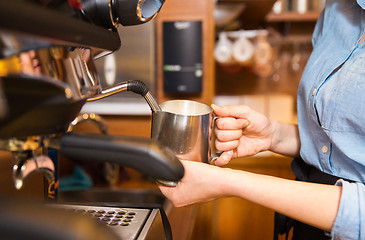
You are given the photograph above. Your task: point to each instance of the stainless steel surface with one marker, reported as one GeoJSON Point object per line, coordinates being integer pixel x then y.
{"type": "Point", "coordinates": [27, 162]}
{"type": "Point", "coordinates": [17, 145]}
{"type": "Point", "coordinates": [124, 87]}
{"type": "Point", "coordinates": [137, 61]}
{"type": "Point", "coordinates": [130, 198]}
{"type": "Point", "coordinates": [152, 103]}
{"type": "Point", "coordinates": [186, 128]}
{"type": "Point", "coordinates": [167, 183]}
{"type": "Point", "coordinates": [127, 223]}
{"type": "Point", "coordinates": [72, 68]}
{"type": "Point", "coordinates": [148, 9]}
{"type": "Point", "coordinates": [25, 219]}
{"type": "Point", "coordinates": [110, 91]}
{"type": "Point", "coordinates": [137, 11]}
{"type": "Point", "coordinates": [154, 227]}
{"type": "Point", "coordinates": [98, 120]}
{"type": "Point", "coordinates": [75, 67]}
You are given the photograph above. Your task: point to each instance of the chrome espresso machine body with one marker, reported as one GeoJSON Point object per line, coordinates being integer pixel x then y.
{"type": "Point", "coordinates": [47, 73]}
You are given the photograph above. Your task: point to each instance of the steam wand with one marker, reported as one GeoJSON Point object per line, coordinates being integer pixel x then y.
{"type": "Point", "coordinates": [136, 86]}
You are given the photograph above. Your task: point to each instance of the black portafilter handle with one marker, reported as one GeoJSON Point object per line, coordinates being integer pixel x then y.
{"type": "Point", "coordinates": [142, 154]}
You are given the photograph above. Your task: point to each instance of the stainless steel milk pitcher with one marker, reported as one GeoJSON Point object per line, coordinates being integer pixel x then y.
{"type": "Point", "coordinates": [186, 128]}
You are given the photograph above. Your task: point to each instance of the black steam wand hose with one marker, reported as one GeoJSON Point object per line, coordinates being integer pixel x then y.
{"type": "Point", "coordinates": [135, 86]}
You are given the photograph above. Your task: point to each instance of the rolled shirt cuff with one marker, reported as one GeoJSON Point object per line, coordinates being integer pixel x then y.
{"type": "Point", "coordinates": [347, 222]}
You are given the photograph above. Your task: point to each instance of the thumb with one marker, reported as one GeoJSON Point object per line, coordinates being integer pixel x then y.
{"type": "Point", "coordinates": [224, 158]}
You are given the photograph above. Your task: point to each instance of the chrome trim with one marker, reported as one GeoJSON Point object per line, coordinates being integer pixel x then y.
{"type": "Point", "coordinates": [72, 67]}
{"type": "Point", "coordinates": [109, 91]}
{"type": "Point", "coordinates": [24, 167]}
{"type": "Point", "coordinates": [152, 103]}
{"type": "Point", "coordinates": [14, 144]}
{"type": "Point", "coordinates": [123, 86]}
{"type": "Point", "coordinates": [140, 15]}
{"type": "Point", "coordinates": [98, 120]}
{"type": "Point", "coordinates": [114, 22]}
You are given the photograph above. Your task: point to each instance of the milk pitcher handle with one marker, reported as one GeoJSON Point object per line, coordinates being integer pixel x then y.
{"type": "Point", "coordinates": [214, 156]}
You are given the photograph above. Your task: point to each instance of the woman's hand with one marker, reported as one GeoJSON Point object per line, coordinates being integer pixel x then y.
{"type": "Point", "coordinates": [200, 184]}
{"type": "Point", "coordinates": [241, 131]}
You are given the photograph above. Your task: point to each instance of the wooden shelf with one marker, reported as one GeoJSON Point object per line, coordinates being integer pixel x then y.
{"type": "Point", "coordinates": [293, 17]}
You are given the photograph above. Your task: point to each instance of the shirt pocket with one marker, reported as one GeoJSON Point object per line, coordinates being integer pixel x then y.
{"type": "Point", "coordinates": [340, 101]}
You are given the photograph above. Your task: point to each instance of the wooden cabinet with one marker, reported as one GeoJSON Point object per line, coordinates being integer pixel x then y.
{"type": "Point", "coordinates": [189, 10]}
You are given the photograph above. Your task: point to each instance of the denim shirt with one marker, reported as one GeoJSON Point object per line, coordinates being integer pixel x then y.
{"type": "Point", "coordinates": [331, 109]}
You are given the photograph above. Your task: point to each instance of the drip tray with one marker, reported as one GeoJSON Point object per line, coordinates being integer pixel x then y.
{"type": "Point", "coordinates": [127, 223]}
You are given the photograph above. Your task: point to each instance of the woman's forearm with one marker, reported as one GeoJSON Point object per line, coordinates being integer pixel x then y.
{"type": "Point", "coordinates": [285, 139]}
{"type": "Point", "coordinates": [314, 204]}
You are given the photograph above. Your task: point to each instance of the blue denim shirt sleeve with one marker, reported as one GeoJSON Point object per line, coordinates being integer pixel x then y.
{"type": "Point", "coordinates": [348, 224]}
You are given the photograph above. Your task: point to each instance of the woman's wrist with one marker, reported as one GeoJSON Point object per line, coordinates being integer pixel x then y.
{"type": "Point", "coordinates": [224, 183]}
{"type": "Point", "coordinates": [274, 135]}
{"type": "Point", "coordinates": [284, 138]}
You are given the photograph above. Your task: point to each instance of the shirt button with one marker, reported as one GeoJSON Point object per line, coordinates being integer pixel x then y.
{"type": "Point", "coordinates": [314, 92]}
{"type": "Point", "coordinates": [324, 149]}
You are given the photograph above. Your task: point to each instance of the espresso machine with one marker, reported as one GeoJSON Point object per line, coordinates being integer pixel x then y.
{"type": "Point", "coordinates": [47, 74]}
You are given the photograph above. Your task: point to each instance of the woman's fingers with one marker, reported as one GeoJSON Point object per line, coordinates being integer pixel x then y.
{"type": "Point", "coordinates": [228, 135]}
{"type": "Point", "coordinates": [226, 146]}
{"type": "Point", "coordinates": [230, 123]}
